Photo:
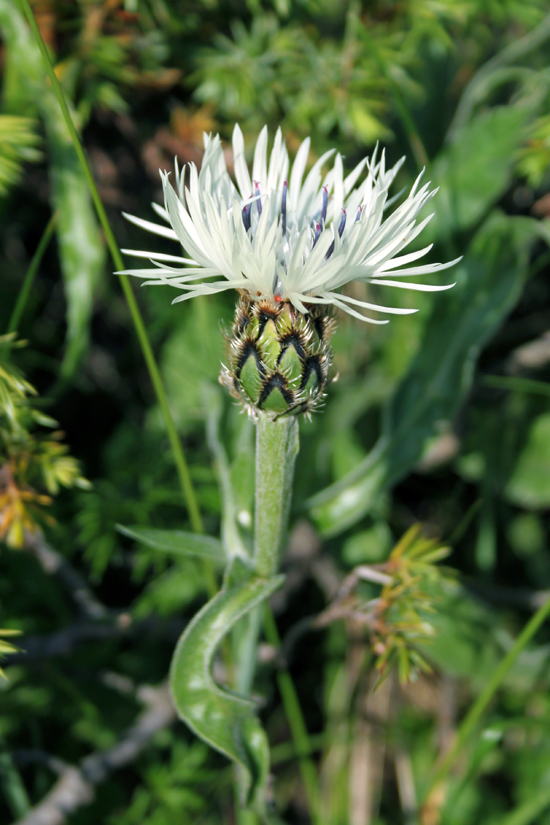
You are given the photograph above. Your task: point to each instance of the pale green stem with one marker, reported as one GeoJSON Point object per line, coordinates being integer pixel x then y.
{"type": "Point", "coordinates": [31, 274]}
{"type": "Point", "coordinates": [479, 707]}
{"type": "Point", "coordinates": [179, 458]}
{"type": "Point", "coordinates": [247, 653]}
{"type": "Point", "coordinates": [276, 450]}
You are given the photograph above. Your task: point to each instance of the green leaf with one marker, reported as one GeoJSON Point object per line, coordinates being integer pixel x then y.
{"type": "Point", "coordinates": [81, 250]}
{"type": "Point", "coordinates": [529, 485]}
{"type": "Point", "coordinates": [225, 721]}
{"type": "Point", "coordinates": [489, 281]}
{"type": "Point", "coordinates": [191, 357]}
{"type": "Point", "coordinates": [177, 542]}
{"type": "Point", "coordinates": [475, 170]}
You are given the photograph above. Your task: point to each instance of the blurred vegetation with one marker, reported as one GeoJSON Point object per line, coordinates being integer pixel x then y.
{"type": "Point", "coordinates": [441, 418]}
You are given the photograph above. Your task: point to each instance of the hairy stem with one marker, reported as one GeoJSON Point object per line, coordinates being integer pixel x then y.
{"type": "Point", "coordinates": [276, 449]}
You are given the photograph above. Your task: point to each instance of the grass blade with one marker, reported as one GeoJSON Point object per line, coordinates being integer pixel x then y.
{"type": "Point", "coordinates": [31, 273]}
{"type": "Point", "coordinates": [179, 458]}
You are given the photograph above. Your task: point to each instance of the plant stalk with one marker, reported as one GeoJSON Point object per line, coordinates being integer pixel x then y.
{"type": "Point", "coordinates": [276, 450]}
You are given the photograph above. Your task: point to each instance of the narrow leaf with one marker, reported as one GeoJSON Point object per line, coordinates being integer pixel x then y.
{"type": "Point", "coordinates": [81, 250]}
{"type": "Point", "coordinates": [177, 542]}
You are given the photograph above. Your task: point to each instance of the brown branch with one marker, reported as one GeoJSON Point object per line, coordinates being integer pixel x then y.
{"type": "Point", "coordinates": [54, 563]}
{"type": "Point", "coordinates": [75, 787]}
{"type": "Point", "coordinates": [66, 641]}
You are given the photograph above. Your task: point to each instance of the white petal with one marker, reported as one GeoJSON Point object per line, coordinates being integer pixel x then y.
{"type": "Point", "coordinates": [161, 212]}
{"type": "Point", "coordinates": [416, 287]}
{"type": "Point", "coordinates": [259, 169]}
{"type": "Point", "coordinates": [164, 231]}
{"type": "Point", "coordinates": [158, 256]}
{"type": "Point", "coordinates": [239, 162]}
{"type": "Point", "coordinates": [297, 174]}
{"type": "Point", "coordinates": [275, 162]}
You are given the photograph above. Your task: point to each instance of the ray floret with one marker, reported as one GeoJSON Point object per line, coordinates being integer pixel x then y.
{"type": "Point", "coordinates": [279, 235]}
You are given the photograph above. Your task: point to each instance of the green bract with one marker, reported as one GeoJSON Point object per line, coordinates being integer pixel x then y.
{"type": "Point", "coordinates": [279, 359]}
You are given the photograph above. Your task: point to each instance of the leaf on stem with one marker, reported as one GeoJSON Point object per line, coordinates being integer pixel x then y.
{"type": "Point", "coordinates": [177, 542]}
{"type": "Point", "coordinates": [224, 720]}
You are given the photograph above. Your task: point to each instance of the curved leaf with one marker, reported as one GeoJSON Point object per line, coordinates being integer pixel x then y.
{"type": "Point", "coordinates": [177, 542]}
{"type": "Point", "coordinates": [224, 720]}
{"type": "Point", "coordinates": [81, 250]}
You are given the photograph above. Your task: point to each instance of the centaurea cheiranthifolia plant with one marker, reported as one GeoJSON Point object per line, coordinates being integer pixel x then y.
{"type": "Point", "coordinates": [287, 245]}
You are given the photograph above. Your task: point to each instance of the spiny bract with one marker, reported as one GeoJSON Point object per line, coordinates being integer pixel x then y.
{"type": "Point", "coordinates": [278, 358]}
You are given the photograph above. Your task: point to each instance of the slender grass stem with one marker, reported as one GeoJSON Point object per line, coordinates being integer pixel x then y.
{"type": "Point", "coordinates": [530, 811]}
{"type": "Point", "coordinates": [295, 718]}
{"type": "Point", "coordinates": [179, 458]}
{"type": "Point", "coordinates": [31, 274]}
{"type": "Point", "coordinates": [479, 707]}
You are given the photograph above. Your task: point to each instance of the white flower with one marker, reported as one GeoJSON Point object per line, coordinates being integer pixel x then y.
{"type": "Point", "coordinates": [279, 240]}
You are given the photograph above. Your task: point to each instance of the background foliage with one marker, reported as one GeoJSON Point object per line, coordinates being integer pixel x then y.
{"type": "Point", "coordinates": [440, 418]}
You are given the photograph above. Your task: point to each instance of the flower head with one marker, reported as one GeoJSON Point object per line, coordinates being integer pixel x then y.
{"type": "Point", "coordinates": [276, 237]}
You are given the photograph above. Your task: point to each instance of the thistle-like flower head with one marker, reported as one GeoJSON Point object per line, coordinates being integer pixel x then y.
{"type": "Point", "coordinates": [278, 238]}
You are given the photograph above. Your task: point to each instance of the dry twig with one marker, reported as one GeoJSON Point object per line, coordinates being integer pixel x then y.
{"type": "Point", "coordinates": [76, 785]}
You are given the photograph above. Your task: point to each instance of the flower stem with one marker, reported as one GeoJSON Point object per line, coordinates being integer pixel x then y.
{"type": "Point", "coordinates": [276, 449]}
{"type": "Point", "coordinates": [179, 458]}
{"type": "Point", "coordinates": [480, 705]}
{"type": "Point", "coordinates": [31, 273]}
